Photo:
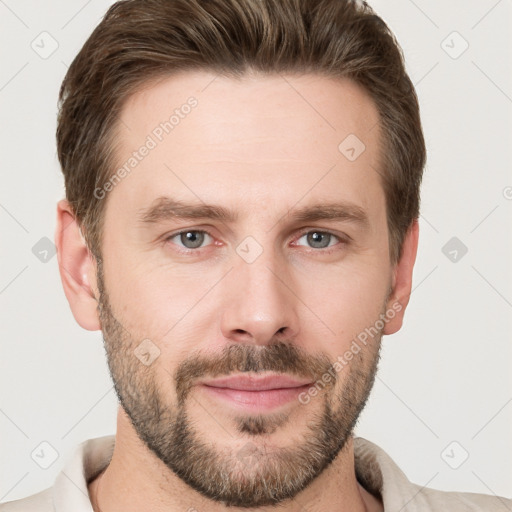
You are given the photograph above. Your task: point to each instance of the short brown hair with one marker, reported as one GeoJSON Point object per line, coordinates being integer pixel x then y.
{"type": "Point", "coordinates": [140, 40]}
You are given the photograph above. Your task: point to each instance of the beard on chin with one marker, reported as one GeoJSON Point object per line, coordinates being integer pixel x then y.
{"type": "Point", "coordinates": [249, 475]}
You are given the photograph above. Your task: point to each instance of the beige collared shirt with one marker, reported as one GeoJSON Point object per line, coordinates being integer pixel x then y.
{"type": "Point", "coordinates": [375, 470]}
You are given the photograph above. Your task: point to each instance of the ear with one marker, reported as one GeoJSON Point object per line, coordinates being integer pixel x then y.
{"type": "Point", "coordinates": [402, 280]}
{"type": "Point", "coordinates": [77, 268]}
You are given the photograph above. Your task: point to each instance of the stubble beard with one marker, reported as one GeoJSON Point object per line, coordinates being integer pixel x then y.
{"type": "Point", "coordinates": [253, 473]}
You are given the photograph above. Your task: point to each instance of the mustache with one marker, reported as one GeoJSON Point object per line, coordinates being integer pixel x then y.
{"type": "Point", "coordinates": [278, 357]}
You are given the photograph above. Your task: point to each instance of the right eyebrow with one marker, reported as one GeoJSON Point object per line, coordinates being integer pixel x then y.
{"type": "Point", "coordinates": [166, 208]}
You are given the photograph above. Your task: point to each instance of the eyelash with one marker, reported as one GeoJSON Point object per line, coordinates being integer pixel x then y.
{"type": "Point", "coordinates": [326, 250]}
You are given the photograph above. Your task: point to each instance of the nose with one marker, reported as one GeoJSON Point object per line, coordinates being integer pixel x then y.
{"type": "Point", "coordinates": [259, 304]}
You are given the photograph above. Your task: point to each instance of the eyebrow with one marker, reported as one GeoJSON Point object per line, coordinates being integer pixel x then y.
{"type": "Point", "coordinates": [166, 208]}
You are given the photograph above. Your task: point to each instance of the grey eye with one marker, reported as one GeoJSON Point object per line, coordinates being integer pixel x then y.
{"type": "Point", "coordinates": [319, 239]}
{"type": "Point", "coordinates": [191, 239]}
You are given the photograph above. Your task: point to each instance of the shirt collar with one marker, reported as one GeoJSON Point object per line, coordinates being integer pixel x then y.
{"type": "Point", "coordinates": [89, 459]}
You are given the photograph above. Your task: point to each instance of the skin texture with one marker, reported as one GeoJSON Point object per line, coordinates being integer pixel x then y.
{"type": "Point", "coordinates": [262, 147]}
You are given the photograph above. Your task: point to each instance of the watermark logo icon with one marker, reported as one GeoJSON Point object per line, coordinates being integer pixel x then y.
{"type": "Point", "coordinates": [146, 352]}
{"type": "Point", "coordinates": [455, 455]}
{"type": "Point", "coordinates": [454, 45]}
{"type": "Point", "coordinates": [45, 45]}
{"type": "Point", "coordinates": [351, 147]}
{"type": "Point", "coordinates": [454, 249]}
{"type": "Point", "coordinates": [44, 250]}
{"type": "Point", "coordinates": [249, 249]}
{"type": "Point", "coordinates": [44, 455]}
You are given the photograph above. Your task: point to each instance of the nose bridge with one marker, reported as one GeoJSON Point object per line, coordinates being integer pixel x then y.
{"type": "Point", "coordinates": [258, 306]}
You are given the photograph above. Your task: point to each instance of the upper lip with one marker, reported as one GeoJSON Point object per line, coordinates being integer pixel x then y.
{"type": "Point", "coordinates": [257, 383]}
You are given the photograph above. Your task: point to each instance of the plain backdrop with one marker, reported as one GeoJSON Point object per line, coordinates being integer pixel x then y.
{"type": "Point", "coordinates": [442, 403]}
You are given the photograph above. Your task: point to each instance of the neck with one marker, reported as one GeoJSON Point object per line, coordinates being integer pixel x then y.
{"type": "Point", "coordinates": [136, 479]}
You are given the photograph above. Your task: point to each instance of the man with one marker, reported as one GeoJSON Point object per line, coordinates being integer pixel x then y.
{"type": "Point", "coordinates": [241, 222]}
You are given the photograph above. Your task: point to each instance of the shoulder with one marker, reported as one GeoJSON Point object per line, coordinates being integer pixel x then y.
{"type": "Point", "coordinates": [39, 502]}
{"type": "Point", "coordinates": [432, 499]}
{"type": "Point", "coordinates": [381, 476]}
{"type": "Point", "coordinates": [69, 491]}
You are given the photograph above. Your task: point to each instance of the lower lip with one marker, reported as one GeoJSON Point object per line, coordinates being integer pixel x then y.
{"type": "Point", "coordinates": [256, 400]}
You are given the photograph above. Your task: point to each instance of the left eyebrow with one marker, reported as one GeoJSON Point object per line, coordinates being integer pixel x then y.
{"type": "Point", "coordinates": [342, 211]}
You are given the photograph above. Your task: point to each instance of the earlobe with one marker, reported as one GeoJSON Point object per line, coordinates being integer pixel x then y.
{"type": "Point", "coordinates": [77, 268]}
{"type": "Point", "coordinates": [400, 294]}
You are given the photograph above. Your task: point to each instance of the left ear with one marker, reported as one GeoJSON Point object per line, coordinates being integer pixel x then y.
{"type": "Point", "coordinates": [402, 279]}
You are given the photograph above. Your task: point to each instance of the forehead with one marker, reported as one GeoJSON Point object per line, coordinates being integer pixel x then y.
{"type": "Point", "coordinates": [257, 138]}
{"type": "Point", "coordinates": [310, 105]}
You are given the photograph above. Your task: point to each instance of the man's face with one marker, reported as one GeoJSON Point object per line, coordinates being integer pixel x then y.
{"type": "Point", "coordinates": [266, 292]}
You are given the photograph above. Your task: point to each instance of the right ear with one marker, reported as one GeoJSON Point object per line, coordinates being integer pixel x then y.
{"type": "Point", "coordinates": [77, 268]}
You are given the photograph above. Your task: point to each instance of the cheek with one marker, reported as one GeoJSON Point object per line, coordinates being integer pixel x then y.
{"type": "Point", "coordinates": [347, 299]}
{"type": "Point", "coordinates": [164, 303]}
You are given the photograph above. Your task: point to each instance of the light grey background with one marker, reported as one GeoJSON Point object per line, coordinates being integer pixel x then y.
{"type": "Point", "coordinates": [444, 378]}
